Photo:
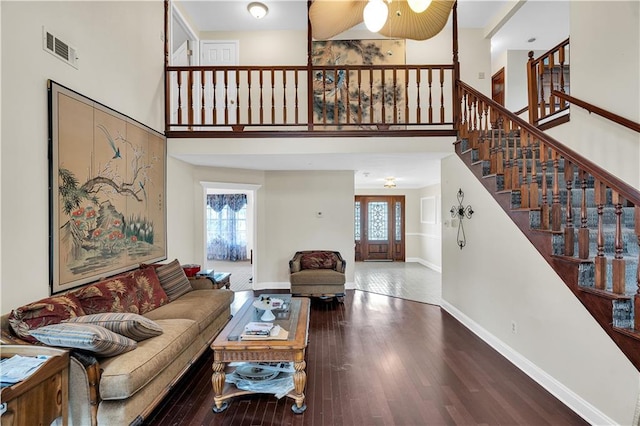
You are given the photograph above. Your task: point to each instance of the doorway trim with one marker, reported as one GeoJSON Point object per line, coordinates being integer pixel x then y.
{"type": "Point", "coordinates": [177, 15]}
{"type": "Point", "coordinates": [252, 191]}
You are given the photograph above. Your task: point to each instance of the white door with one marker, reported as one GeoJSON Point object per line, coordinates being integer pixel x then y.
{"type": "Point", "coordinates": [220, 53]}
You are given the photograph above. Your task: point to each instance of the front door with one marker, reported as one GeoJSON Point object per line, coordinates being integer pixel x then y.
{"type": "Point", "coordinates": [379, 228]}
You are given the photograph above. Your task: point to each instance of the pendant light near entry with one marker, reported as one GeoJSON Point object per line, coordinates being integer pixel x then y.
{"type": "Point", "coordinates": [419, 6]}
{"type": "Point", "coordinates": [375, 15]}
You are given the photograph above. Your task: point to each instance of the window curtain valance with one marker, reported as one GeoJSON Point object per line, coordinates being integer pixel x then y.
{"type": "Point", "coordinates": [234, 201]}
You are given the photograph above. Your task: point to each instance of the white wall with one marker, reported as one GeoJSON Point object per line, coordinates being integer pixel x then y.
{"type": "Point", "coordinates": [292, 201]}
{"type": "Point", "coordinates": [499, 277]}
{"type": "Point", "coordinates": [124, 75]}
{"type": "Point", "coordinates": [605, 65]}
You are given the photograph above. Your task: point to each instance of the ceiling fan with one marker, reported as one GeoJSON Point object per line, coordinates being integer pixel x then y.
{"type": "Point", "coordinates": [395, 18]}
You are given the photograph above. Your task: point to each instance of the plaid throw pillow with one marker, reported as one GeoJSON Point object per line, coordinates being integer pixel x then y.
{"type": "Point", "coordinates": [173, 280]}
{"type": "Point", "coordinates": [133, 326]}
{"type": "Point", "coordinates": [87, 337]}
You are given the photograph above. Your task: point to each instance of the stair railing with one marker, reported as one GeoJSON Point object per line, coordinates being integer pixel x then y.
{"type": "Point", "coordinates": [538, 169]}
{"type": "Point", "coordinates": [629, 124]}
{"type": "Point", "coordinates": [545, 74]}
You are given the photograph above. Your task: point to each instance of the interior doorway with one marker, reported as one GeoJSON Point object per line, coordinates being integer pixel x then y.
{"type": "Point", "coordinates": [497, 87]}
{"type": "Point", "coordinates": [230, 232]}
{"type": "Point", "coordinates": [379, 228]}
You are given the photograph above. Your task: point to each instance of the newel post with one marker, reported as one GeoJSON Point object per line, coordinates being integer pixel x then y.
{"type": "Point", "coordinates": [532, 80]}
{"type": "Point", "coordinates": [456, 92]}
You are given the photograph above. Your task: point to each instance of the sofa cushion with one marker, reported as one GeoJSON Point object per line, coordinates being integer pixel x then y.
{"type": "Point", "coordinates": [173, 280]}
{"type": "Point", "coordinates": [318, 260]}
{"type": "Point", "coordinates": [51, 310]}
{"type": "Point", "coordinates": [149, 293]}
{"type": "Point", "coordinates": [116, 294]}
{"type": "Point", "coordinates": [202, 306]}
{"type": "Point", "coordinates": [89, 337]}
{"type": "Point", "coordinates": [124, 375]}
{"type": "Point", "coordinates": [133, 326]}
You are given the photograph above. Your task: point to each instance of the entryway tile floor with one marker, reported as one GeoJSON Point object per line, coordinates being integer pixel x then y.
{"type": "Point", "coordinates": [405, 280]}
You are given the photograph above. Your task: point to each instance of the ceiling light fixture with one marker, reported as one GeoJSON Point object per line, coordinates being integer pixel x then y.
{"type": "Point", "coordinates": [375, 15]}
{"type": "Point", "coordinates": [419, 6]}
{"type": "Point", "coordinates": [390, 182]}
{"type": "Point", "coordinates": [258, 10]}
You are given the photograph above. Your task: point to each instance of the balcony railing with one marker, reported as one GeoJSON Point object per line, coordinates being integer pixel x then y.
{"type": "Point", "coordinates": [360, 100]}
{"type": "Point", "coordinates": [546, 74]}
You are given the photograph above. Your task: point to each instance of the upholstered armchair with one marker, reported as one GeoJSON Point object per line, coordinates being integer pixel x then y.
{"type": "Point", "coordinates": [317, 273]}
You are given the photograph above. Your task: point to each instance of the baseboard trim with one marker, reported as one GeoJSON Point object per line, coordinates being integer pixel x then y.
{"type": "Point", "coordinates": [285, 285]}
{"type": "Point", "coordinates": [572, 400]}
{"type": "Point", "coordinates": [424, 263]}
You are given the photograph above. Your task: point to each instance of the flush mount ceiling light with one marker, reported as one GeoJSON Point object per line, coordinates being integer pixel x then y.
{"type": "Point", "coordinates": [390, 182]}
{"type": "Point", "coordinates": [375, 15]}
{"type": "Point", "coordinates": [258, 10]}
{"type": "Point", "coordinates": [419, 6]}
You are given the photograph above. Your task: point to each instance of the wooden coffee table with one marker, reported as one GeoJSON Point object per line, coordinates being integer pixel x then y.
{"type": "Point", "coordinates": [228, 348]}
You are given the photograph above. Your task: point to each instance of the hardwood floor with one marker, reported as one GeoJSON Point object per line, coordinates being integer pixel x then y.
{"type": "Point", "coordinates": [379, 360]}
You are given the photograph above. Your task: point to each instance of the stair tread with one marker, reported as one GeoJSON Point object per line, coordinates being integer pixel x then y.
{"type": "Point", "coordinates": [604, 293]}
{"type": "Point", "coordinates": [628, 332]}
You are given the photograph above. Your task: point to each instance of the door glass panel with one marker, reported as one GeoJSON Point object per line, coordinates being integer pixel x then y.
{"type": "Point", "coordinates": [378, 226]}
{"type": "Point", "coordinates": [398, 214]}
{"type": "Point", "coordinates": [357, 221]}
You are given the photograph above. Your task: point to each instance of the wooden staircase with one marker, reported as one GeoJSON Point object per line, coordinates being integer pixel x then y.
{"type": "Point", "coordinates": [583, 221]}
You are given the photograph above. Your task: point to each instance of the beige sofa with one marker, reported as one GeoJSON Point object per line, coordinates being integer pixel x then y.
{"type": "Point", "coordinates": [317, 273]}
{"type": "Point", "coordinates": [124, 389]}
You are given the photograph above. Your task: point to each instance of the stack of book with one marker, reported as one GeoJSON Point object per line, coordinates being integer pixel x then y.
{"type": "Point", "coordinates": [263, 331]}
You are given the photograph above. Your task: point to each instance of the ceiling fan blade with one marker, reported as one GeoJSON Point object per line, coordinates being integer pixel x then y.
{"type": "Point", "coordinates": [331, 17]}
{"type": "Point", "coordinates": [405, 23]}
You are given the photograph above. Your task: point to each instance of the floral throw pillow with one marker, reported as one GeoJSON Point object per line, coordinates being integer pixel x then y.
{"type": "Point", "coordinates": [117, 294]}
{"type": "Point", "coordinates": [51, 310]}
{"type": "Point", "coordinates": [318, 260]}
{"type": "Point", "coordinates": [149, 293]}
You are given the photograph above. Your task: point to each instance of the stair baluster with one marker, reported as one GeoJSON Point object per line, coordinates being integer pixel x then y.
{"type": "Point", "coordinates": [583, 232]}
{"type": "Point", "coordinates": [533, 183]}
{"type": "Point", "coordinates": [556, 210]}
{"type": "Point", "coordinates": [544, 209]}
{"type": "Point", "coordinates": [618, 262]}
{"type": "Point", "coordinates": [524, 189]}
{"type": "Point", "coordinates": [600, 260]}
{"type": "Point", "coordinates": [636, 299]}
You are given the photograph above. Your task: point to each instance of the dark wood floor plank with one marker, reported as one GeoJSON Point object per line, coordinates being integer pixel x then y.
{"type": "Point", "coordinates": [377, 360]}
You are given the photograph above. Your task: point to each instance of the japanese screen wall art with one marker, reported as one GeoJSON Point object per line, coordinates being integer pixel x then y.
{"type": "Point", "coordinates": [107, 184]}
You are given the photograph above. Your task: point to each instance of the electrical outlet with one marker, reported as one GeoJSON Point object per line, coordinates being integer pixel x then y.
{"type": "Point", "coordinates": [514, 327]}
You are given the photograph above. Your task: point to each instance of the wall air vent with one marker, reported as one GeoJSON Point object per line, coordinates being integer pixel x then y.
{"type": "Point", "coordinates": [59, 48]}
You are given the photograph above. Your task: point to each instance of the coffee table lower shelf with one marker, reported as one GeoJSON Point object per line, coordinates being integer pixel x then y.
{"type": "Point", "coordinates": [223, 391]}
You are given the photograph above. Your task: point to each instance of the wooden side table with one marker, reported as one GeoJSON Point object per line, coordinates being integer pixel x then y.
{"type": "Point", "coordinates": [219, 279]}
{"type": "Point", "coordinates": [43, 396]}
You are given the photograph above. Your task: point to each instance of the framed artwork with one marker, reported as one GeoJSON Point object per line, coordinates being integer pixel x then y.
{"type": "Point", "coordinates": [428, 210]}
{"type": "Point", "coordinates": [359, 98]}
{"type": "Point", "coordinates": [107, 185]}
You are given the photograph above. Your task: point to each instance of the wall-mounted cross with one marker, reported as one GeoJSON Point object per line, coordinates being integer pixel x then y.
{"type": "Point", "coordinates": [460, 212]}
